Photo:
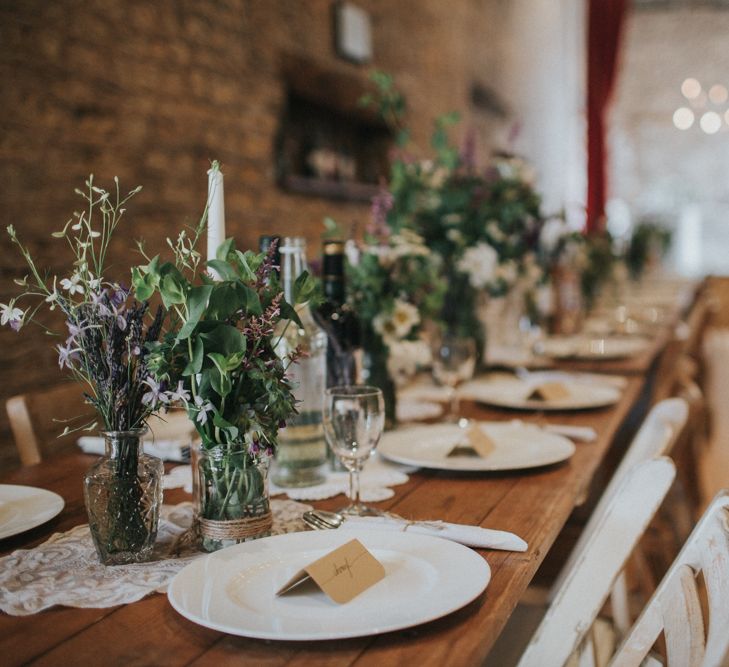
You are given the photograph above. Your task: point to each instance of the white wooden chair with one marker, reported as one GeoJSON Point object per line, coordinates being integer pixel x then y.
{"type": "Point", "coordinates": [676, 607]}
{"type": "Point", "coordinates": [565, 627]}
{"type": "Point", "coordinates": [656, 437]}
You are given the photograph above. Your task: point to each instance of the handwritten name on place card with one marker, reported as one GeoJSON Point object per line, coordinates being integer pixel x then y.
{"type": "Point", "coordinates": [342, 574]}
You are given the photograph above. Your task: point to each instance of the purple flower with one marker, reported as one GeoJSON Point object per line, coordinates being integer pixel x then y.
{"type": "Point", "coordinates": [382, 204]}
{"type": "Point", "coordinates": [468, 149]}
{"type": "Point", "coordinates": [254, 448]}
{"type": "Point", "coordinates": [119, 295]}
{"type": "Point", "coordinates": [180, 394]}
{"type": "Point", "coordinates": [156, 393]}
{"type": "Point", "coordinates": [66, 356]}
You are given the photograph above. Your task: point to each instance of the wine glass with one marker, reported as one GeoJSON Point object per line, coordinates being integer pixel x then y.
{"type": "Point", "coordinates": [354, 418]}
{"type": "Point", "coordinates": [454, 361]}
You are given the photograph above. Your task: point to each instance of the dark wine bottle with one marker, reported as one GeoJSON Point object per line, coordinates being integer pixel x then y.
{"type": "Point", "coordinates": [337, 318]}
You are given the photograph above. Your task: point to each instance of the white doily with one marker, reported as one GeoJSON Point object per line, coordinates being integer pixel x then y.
{"type": "Point", "coordinates": [65, 570]}
{"type": "Point", "coordinates": [375, 480]}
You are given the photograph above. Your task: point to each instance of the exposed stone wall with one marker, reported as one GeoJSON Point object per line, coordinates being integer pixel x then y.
{"type": "Point", "coordinates": [151, 91]}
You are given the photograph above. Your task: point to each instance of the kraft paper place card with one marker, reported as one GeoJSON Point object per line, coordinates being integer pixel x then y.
{"type": "Point", "coordinates": [478, 444]}
{"type": "Point", "coordinates": [342, 574]}
{"type": "Point", "coordinates": [550, 391]}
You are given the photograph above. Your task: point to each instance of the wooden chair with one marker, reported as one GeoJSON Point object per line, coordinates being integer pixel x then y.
{"type": "Point", "coordinates": [656, 437]}
{"type": "Point", "coordinates": [565, 628]}
{"type": "Point", "coordinates": [694, 622]}
{"type": "Point", "coordinates": [37, 420]}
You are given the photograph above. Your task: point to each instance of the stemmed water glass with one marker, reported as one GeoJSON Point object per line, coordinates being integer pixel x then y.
{"type": "Point", "coordinates": [454, 361]}
{"type": "Point", "coordinates": [354, 418]}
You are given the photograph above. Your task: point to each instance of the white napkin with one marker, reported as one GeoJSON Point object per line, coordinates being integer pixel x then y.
{"type": "Point", "coordinates": [167, 450]}
{"type": "Point", "coordinates": [584, 433]}
{"type": "Point", "coordinates": [537, 377]}
{"type": "Point", "coordinates": [470, 536]}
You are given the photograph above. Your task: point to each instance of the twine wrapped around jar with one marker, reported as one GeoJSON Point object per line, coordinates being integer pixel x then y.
{"type": "Point", "coordinates": [236, 529]}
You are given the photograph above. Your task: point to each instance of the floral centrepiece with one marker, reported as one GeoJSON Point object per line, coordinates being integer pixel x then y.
{"type": "Point", "coordinates": [482, 223]}
{"type": "Point", "coordinates": [394, 288]}
{"type": "Point", "coordinates": [105, 349]}
{"type": "Point", "coordinates": [220, 355]}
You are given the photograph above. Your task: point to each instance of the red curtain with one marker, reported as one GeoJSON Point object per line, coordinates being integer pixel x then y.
{"type": "Point", "coordinates": [603, 41]}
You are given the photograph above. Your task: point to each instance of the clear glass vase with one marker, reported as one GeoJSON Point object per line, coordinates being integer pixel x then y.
{"type": "Point", "coordinates": [123, 494]}
{"type": "Point", "coordinates": [230, 496]}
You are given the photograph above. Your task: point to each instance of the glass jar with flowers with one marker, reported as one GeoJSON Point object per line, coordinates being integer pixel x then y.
{"type": "Point", "coordinates": [394, 289]}
{"type": "Point", "coordinates": [220, 354]}
{"type": "Point", "coordinates": [106, 349]}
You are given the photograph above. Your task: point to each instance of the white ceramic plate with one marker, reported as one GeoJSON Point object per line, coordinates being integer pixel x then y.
{"type": "Point", "coordinates": [593, 348]}
{"type": "Point", "coordinates": [508, 392]}
{"type": "Point", "coordinates": [409, 410]}
{"type": "Point", "coordinates": [25, 507]}
{"type": "Point", "coordinates": [517, 446]}
{"type": "Point", "coordinates": [233, 590]}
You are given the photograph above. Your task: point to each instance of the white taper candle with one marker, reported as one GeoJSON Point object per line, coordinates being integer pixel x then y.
{"type": "Point", "coordinates": [216, 209]}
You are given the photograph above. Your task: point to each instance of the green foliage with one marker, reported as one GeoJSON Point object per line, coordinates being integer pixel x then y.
{"type": "Point", "coordinates": [648, 239]}
{"type": "Point", "coordinates": [221, 347]}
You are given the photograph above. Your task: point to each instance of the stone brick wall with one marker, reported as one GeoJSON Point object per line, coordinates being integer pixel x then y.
{"type": "Point", "coordinates": [151, 91]}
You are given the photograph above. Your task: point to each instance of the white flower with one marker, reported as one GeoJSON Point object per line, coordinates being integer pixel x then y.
{"type": "Point", "coordinates": [203, 408]}
{"type": "Point", "coordinates": [11, 315]}
{"type": "Point", "coordinates": [72, 285]}
{"type": "Point", "coordinates": [479, 263]}
{"type": "Point", "coordinates": [405, 358]}
{"type": "Point", "coordinates": [398, 324]}
{"type": "Point", "coordinates": [407, 244]}
{"type": "Point", "coordinates": [494, 231]}
{"type": "Point", "coordinates": [404, 316]}
{"type": "Point", "coordinates": [454, 235]}
{"type": "Point", "coordinates": [551, 234]}
{"type": "Point", "coordinates": [351, 250]}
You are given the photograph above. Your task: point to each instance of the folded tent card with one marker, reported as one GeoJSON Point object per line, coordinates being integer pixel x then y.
{"type": "Point", "coordinates": [342, 574]}
{"type": "Point", "coordinates": [477, 443]}
{"type": "Point", "coordinates": [549, 391]}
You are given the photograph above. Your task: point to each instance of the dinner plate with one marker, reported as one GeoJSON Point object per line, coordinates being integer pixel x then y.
{"type": "Point", "coordinates": [233, 590]}
{"type": "Point", "coordinates": [508, 392]}
{"type": "Point", "coordinates": [516, 446]}
{"type": "Point", "coordinates": [25, 507]}
{"type": "Point", "coordinates": [593, 348]}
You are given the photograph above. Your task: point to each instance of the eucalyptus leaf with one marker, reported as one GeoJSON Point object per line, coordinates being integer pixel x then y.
{"type": "Point", "coordinates": [224, 339]}
{"type": "Point", "coordinates": [223, 250]}
{"type": "Point", "coordinates": [223, 269]}
{"type": "Point", "coordinates": [171, 291]}
{"type": "Point", "coordinates": [197, 302]}
{"type": "Point", "coordinates": [305, 287]}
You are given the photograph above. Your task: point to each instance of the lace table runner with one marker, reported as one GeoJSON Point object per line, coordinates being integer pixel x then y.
{"type": "Point", "coordinates": [65, 570]}
{"type": "Point", "coordinates": [375, 482]}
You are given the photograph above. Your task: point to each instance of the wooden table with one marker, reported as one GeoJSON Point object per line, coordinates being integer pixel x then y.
{"type": "Point", "coordinates": [535, 505]}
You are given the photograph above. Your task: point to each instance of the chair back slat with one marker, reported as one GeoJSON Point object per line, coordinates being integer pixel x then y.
{"type": "Point", "coordinates": [683, 621]}
{"type": "Point", "coordinates": [655, 438]}
{"type": "Point", "coordinates": [675, 607]}
{"type": "Point", "coordinates": [588, 584]}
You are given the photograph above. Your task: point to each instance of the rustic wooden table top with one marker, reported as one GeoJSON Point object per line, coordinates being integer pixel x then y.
{"type": "Point", "coordinates": [534, 504]}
